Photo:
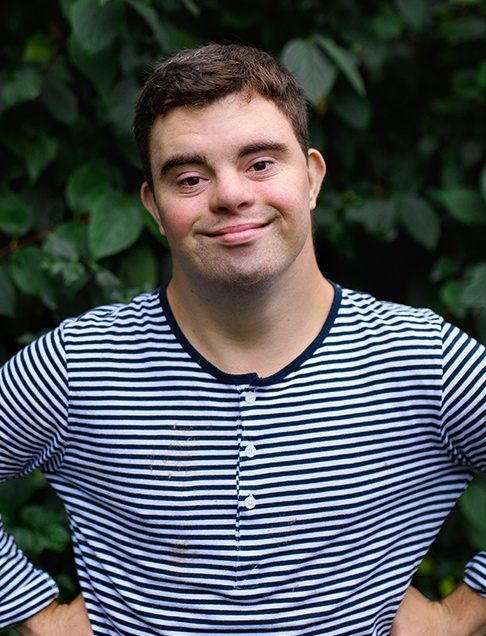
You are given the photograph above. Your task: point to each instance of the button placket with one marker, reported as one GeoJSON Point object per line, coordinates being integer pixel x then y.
{"type": "Point", "coordinates": [250, 399]}
{"type": "Point", "coordinates": [248, 450]}
{"type": "Point", "coordinates": [247, 480]}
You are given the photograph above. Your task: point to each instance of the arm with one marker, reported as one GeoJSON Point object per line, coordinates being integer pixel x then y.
{"type": "Point", "coordinates": [462, 613]}
{"type": "Point", "coordinates": [33, 415]}
{"type": "Point", "coordinates": [58, 620]}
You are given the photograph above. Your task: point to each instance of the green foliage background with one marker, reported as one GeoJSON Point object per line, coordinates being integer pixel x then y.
{"type": "Point", "coordinates": [397, 90]}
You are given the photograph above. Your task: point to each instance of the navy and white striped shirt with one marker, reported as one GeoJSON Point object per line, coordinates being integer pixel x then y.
{"type": "Point", "coordinates": [207, 503]}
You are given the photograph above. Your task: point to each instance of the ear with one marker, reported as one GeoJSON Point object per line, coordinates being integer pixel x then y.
{"type": "Point", "coordinates": [150, 204]}
{"type": "Point", "coordinates": [316, 168]}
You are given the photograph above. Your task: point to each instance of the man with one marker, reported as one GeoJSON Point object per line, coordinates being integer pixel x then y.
{"type": "Point", "coordinates": [253, 449]}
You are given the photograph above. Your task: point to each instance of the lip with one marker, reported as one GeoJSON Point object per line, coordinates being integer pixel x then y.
{"type": "Point", "coordinates": [239, 233]}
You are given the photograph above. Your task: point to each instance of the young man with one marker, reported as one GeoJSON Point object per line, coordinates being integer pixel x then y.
{"type": "Point", "coordinates": [252, 449]}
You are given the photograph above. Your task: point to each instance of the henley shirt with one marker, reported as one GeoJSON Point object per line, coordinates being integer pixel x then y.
{"type": "Point", "coordinates": [207, 503]}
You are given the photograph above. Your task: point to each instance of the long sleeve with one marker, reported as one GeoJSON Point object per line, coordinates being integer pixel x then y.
{"type": "Point", "coordinates": [24, 590]}
{"type": "Point", "coordinates": [464, 419]}
{"type": "Point", "coordinates": [33, 416]}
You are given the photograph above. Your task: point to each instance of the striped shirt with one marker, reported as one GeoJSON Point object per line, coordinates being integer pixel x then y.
{"type": "Point", "coordinates": [207, 503]}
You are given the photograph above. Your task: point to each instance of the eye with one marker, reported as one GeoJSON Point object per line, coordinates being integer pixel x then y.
{"type": "Point", "coordinates": [190, 181]}
{"type": "Point", "coordinates": [259, 166]}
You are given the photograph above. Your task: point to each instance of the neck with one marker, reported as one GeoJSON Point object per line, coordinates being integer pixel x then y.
{"type": "Point", "coordinates": [258, 329]}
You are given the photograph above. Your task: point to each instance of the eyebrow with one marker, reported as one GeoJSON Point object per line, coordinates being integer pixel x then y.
{"type": "Point", "coordinates": [181, 160]}
{"type": "Point", "coordinates": [197, 159]}
{"type": "Point", "coordinates": [262, 146]}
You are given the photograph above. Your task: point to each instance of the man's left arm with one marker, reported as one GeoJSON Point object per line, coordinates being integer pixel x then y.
{"type": "Point", "coordinates": [462, 613]}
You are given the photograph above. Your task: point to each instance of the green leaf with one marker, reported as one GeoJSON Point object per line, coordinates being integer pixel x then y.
{"type": "Point", "coordinates": [311, 67]}
{"type": "Point", "coordinates": [450, 294]}
{"type": "Point", "coordinates": [60, 101]}
{"type": "Point", "coordinates": [463, 29]}
{"type": "Point", "coordinates": [16, 217]}
{"type": "Point", "coordinates": [39, 48]}
{"type": "Point", "coordinates": [63, 250]}
{"type": "Point", "coordinates": [373, 51]}
{"type": "Point", "coordinates": [57, 536]}
{"type": "Point", "coordinates": [24, 86]}
{"type": "Point", "coordinates": [60, 247]}
{"type": "Point", "coordinates": [481, 326]}
{"type": "Point", "coordinates": [161, 30]}
{"type": "Point", "coordinates": [70, 241]}
{"type": "Point", "coordinates": [66, 7]}
{"type": "Point", "coordinates": [122, 102]}
{"type": "Point", "coordinates": [7, 295]}
{"type": "Point", "coordinates": [406, 172]}
{"type": "Point", "coordinates": [465, 85]}
{"type": "Point", "coordinates": [109, 283]}
{"type": "Point", "coordinates": [482, 75]}
{"type": "Point", "coordinates": [116, 223]}
{"type": "Point", "coordinates": [476, 536]}
{"type": "Point", "coordinates": [95, 26]}
{"type": "Point", "coordinates": [463, 204]}
{"type": "Point", "coordinates": [352, 109]}
{"type": "Point", "coordinates": [420, 220]}
{"type": "Point", "coordinates": [100, 67]}
{"type": "Point", "coordinates": [445, 267]}
{"type": "Point", "coordinates": [378, 216]}
{"type": "Point", "coordinates": [42, 151]}
{"type": "Point", "coordinates": [192, 7]}
{"type": "Point", "coordinates": [28, 541]}
{"type": "Point", "coordinates": [29, 276]}
{"type": "Point", "coordinates": [482, 183]}
{"type": "Point", "coordinates": [387, 24]}
{"type": "Point", "coordinates": [84, 187]}
{"type": "Point", "coordinates": [139, 269]}
{"type": "Point", "coordinates": [473, 292]}
{"type": "Point", "coordinates": [344, 61]}
{"type": "Point", "coordinates": [414, 11]}
{"type": "Point", "coordinates": [380, 219]}
{"type": "Point", "coordinates": [473, 505]}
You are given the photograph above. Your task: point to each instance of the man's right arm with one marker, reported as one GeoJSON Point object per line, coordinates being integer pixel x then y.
{"type": "Point", "coordinates": [58, 620]}
{"type": "Point", "coordinates": [33, 424]}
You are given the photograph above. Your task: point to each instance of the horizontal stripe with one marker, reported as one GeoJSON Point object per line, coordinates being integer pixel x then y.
{"type": "Point", "coordinates": [205, 503]}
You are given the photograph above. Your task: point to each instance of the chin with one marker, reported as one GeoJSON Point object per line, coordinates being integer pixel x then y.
{"type": "Point", "coordinates": [238, 281]}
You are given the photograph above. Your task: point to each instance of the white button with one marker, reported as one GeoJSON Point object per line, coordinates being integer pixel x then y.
{"type": "Point", "coordinates": [250, 502]}
{"type": "Point", "coordinates": [250, 450]}
{"type": "Point", "coordinates": [250, 397]}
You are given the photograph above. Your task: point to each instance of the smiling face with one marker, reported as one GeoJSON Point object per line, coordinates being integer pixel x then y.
{"type": "Point", "coordinates": [232, 193]}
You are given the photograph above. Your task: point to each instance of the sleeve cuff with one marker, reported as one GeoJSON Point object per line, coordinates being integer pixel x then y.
{"type": "Point", "coordinates": [24, 590]}
{"type": "Point", "coordinates": [475, 573]}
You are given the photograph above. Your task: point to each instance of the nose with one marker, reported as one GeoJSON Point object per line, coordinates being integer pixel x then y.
{"type": "Point", "coordinates": [231, 192]}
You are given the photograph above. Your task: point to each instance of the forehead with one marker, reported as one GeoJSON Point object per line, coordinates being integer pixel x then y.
{"type": "Point", "coordinates": [230, 121]}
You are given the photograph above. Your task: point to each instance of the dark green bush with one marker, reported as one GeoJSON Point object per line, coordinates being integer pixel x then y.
{"type": "Point", "coordinates": [397, 90]}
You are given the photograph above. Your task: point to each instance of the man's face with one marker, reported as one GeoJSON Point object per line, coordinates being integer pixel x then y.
{"type": "Point", "coordinates": [233, 192]}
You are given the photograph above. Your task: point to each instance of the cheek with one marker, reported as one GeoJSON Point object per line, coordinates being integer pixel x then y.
{"type": "Point", "coordinates": [175, 221]}
{"type": "Point", "coordinates": [294, 192]}
{"type": "Point", "coordinates": [294, 201]}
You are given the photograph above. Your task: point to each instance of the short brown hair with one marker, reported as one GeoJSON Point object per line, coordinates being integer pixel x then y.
{"type": "Point", "coordinates": [199, 77]}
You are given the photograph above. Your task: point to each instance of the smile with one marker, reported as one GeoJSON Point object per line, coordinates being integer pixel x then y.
{"type": "Point", "coordinates": [241, 233]}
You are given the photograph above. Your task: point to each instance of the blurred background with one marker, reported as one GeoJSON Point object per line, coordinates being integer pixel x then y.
{"type": "Point", "coordinates": [397, 95]}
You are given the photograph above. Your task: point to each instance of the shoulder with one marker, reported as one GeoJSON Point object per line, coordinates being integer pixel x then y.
{"type": "Point", "coordinates": [363, 308]}
{"type": "Point", "coordinates": [138, 314]}
{"type": "Point", "coordinates": [369, 318]}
